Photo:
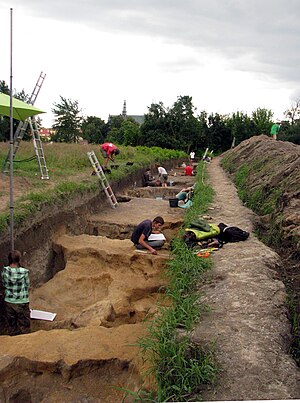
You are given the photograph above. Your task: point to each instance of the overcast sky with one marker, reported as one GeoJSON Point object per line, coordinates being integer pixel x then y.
{"type": "Point", "coordinates": [228, 55]}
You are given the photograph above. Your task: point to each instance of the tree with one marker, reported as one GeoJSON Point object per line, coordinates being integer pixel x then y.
{"type": "Point", "coordinates": [5, 120]}
{"type": "Point", "coordinates": [290, 129]}
{"type": "Point", "coordinates": [185, 125]}
{"type": "Point", "coordinates": [128, 133]}
{"type": "Point", "coordinates": [293, 114]}
{"type": "Point", "coordinates": [115, 121]}
{"type": "Point", "coordinates": [175, 127]}
{"type": "Point", "coordinates": [114, 133]}
{"type": "Point", "coordinates": [131, 132]}
{"type": "Point", "coordinates": [157, 128]}
{"type": "Point", "coordinates": [241, 127]}
{"type": "Point", "coordinates": [68, 121]}
{"type": "Point", "coordinates": [203, 131]}
{"type": "Point", "coordinates": [262, 119]}
{"type": "Point", "coordinates": [94, 129]}
{"type": "Point", "coordinates": [219, 136]}
{"type": "Point", "coordinates": [4, 87]}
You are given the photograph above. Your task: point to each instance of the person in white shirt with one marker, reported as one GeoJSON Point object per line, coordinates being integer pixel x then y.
{"type": "Point", "coordinates": [162, 175]}
{"type": "Point", "coordinates": [192, 156]}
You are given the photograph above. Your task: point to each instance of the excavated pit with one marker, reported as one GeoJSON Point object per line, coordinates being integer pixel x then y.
{"type": "Point", "coordinates": [101, 290]}
{"type": "Point", "coordinates": [104, 283]}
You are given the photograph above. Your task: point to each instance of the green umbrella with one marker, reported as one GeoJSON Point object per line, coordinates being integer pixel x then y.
{"type": "Point", "coordinates": [21, 110]}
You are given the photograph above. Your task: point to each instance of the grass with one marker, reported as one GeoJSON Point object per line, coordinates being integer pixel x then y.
{"type": "Point", "coordinates": [69, 170]}
{"type": "Point", "coordinates": [267, 200]}
{"type": "Point", "coordinates": [263, 199]}
{"type": "Point", "coordinates": [177, 365]}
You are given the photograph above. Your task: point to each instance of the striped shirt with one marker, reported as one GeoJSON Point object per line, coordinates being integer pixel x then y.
{"type": "Point", "coordinates": [16, 283]}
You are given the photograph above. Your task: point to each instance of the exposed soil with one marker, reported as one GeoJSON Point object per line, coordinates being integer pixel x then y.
{"type": "Point", "coordinates": [274, 165]}
{"type": "Point", "coordinates": [248, 318]}
{"type": "Point", "coordinates": [20, 185]}
{"type": "Point", "coordinates": [102, 289]}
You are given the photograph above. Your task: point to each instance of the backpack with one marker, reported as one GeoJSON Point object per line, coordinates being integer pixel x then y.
{"type": "Point", "coordinates": [232, 234]}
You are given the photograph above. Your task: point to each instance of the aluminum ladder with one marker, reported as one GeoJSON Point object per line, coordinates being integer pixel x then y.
{"type": "Point", "coordinates": [21, 130]}
{"type": "Point", "coordinates": [38, 147]}
{"type": "Point", "coordinates": [104, 182]}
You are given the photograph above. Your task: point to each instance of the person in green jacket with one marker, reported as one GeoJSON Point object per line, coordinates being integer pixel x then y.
{"type": "Point", "coordinates": [15, 281]}
{"type": "Point", "coordinates": [274, 130]}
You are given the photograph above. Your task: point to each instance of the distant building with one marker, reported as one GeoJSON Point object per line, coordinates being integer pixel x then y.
{"type": "Point", "coordinates": [137, 118]}
{"type": "Point", "coordinates": [45, 134]}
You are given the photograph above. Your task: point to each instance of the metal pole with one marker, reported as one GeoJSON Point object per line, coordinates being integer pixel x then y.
{"type": "Point", "coordinates": [206, 151]}
{"type": "Point", "coordinates": [11, 208]}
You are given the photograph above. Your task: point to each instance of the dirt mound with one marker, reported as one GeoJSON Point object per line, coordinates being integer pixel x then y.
{"type": "Point", "coordinates": [247, 317]}
{"type": "Point", "coordinates": [270, 173]}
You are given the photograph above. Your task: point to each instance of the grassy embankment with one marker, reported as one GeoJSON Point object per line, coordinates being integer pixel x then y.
{"type": "Point", "coordinates": [179, 367]}
{"type": "Point", "coordinates": [265, 202]}
{"type": "Point", "coordinates": [69, 170]}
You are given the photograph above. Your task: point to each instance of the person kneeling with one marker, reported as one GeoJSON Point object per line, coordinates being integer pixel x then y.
{"type": "Point", "coordinates": [186, 194]}
{"type": "Point", "coordinates": [149, 180]}
{"type": "Point", "coordinates": [143, 231]}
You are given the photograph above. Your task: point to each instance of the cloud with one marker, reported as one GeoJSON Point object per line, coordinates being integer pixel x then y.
{"type": "Point", "coordinates": [295, 95]}
{"type": "Point", "coordinates": [227, 54]}
{"type": "Point", "coordinates": [264, 32]}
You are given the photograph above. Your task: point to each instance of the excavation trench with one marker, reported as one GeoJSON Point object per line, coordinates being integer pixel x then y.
{"type": "Point", "coordinates": [101, 289]}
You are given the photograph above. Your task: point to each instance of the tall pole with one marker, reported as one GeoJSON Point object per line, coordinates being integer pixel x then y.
{"type": "Point", "coordinates": [11, 206]}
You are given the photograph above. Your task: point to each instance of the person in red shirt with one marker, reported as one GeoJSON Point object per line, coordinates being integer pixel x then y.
{"type": "Point", "coordinates": [109, 151]}
{"type": "Point", "coordinates": [188, 171]}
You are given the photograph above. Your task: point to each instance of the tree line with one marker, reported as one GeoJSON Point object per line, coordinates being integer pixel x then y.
{"type": "Point", "coordinates": [176, 127]}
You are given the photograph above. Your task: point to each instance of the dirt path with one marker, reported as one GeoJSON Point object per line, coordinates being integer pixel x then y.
{"type": "Point", "coordinates": [247, 317]}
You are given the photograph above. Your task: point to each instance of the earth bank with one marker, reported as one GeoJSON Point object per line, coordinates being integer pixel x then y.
{"type": "Point", "coordinates": [102, 290]}
{"type": "Point", "coordinates": [267, 174]}
{"type": "Point", "coordinates": [247, 319]}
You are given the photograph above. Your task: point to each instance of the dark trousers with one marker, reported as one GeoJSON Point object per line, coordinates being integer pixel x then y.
{"type": "Point", "coordinates": [18, 318]}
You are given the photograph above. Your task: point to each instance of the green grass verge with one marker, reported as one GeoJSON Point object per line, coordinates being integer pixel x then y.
{"type": "Point", "coordinates": [178, 366]}
{"type": "Point", "coordinates": [65, 162]}
{"type": "Point", "coordinates": [263, 199]}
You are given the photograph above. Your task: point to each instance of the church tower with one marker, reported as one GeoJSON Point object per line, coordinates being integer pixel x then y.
{"type": "Point", "coordinates": [124, 112]}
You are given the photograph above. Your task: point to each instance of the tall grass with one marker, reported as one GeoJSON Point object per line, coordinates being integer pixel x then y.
{"type": "Point", "coordinates": [177, 365]}
{"type": "Point", "coordinates": [69, 170]}
{"type": "Point", "coordinates": [262, 199]}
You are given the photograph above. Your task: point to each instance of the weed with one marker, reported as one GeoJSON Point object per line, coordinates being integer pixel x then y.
{"type": "Point", "coordinates": [177, 365]}
{"type": "Point", "coordinates": [65, 163]}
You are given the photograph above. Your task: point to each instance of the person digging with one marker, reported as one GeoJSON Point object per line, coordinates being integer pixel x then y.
{"type": "Point", "coordinates": [142, 232]}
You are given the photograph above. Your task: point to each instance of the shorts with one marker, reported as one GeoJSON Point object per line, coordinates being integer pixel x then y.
{"type": "Point", "coordinates": [18, 318]}
{"type": "Point", "coordinates": [104, 153]}
{"type": "Point", "coordinates": [165, 178]}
